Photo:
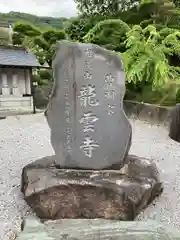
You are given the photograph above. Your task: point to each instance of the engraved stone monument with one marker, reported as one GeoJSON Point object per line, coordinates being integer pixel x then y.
{"type": "Point", "coordinates": [89, 131]}
{"type": "Point", "coordinates": [89, 128]}
{"type": "Point", "coordinates": [91, 174]}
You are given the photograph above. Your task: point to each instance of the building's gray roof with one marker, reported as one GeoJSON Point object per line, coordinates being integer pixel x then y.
{"type": "Point", "coordinates": [10, 56]}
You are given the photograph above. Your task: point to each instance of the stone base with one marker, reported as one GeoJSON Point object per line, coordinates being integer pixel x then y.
{"type": "Point", "coordinates": [96, 229]}
{"type": "Point", "coordinates": [174, 131]}
{"type": "Point", "coordinates": [65, 193]}
{"type": "Point", "coordinates": [14, 102]}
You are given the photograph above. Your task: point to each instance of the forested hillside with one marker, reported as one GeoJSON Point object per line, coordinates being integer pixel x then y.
{"type": "Point", "coordinates": [42, 22]}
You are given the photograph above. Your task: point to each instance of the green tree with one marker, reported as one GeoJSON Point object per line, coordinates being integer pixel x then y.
{"type": "Point", "coordinates": [40, 43]}
{"type": "Point", "coordinates": [81, 25]}
{"type": "Point", "coordinates": [104, 7]}
{"type": "Point", "coordinates": [160, 11]}
{"type": "Point", "coordinates": [26, 30]}
{"type": "Point", "coordinates": [36, 49]}
{"type": "Point", "coordinates": [109, 33]}
{"type": "Point", "coordinates": [17, 38]}
{"type": "Point", "coordinates": [177, 3]}
{"type": "Point", "coordinates": [52, 36]}
{"type": "Point", "coordinates": [146, 57]}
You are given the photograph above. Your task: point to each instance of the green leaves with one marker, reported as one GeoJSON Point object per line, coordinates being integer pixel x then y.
{"type": "Point", "coordinates": [150, 49]}
{"type": "Point", "coordinates": [104, 7]}
{"type": "Point", "coordinates": [145, 59]}
{"type": "Point", "coordinates": [26, 30]}
{"type": "Point", "coordinates": [41, 43]}
{"type": "Point", "coordinates": [109, 33]}
{"type": "Point", "coordinates": [53, 36]}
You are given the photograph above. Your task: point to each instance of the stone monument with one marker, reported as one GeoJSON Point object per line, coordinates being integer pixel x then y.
{"type": "Point", "coordinates": [89, 128]}
{"type": "Point", "coordinates": [91, 174]}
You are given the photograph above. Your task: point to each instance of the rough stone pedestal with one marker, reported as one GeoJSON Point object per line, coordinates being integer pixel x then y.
{"type": "Point", "coordinates": [66, 193]}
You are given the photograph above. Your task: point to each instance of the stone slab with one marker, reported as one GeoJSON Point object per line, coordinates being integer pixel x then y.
{"type": "Point", "coordinates": [89, 128]}
{"type": "Point", "coordinates": [66, 193]}
{"type": "Point", "coordinates": [97, 229]}
{"type": "Point", "coordinates": [153, 113]}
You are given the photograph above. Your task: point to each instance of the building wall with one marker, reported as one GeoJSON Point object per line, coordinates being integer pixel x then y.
{"type": "Point", "coordinates": [23, 79]}
{"type": "Point", "coordinates": [11, 96]}
{"type": "Point", "coordinates": [6, 33]}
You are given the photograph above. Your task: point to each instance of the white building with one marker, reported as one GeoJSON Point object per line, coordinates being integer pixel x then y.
{"type": "Point", "coordinates": [16, 66]}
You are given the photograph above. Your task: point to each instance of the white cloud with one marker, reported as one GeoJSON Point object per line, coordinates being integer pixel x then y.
{"type": "Point", "coordinates": [58, 8]}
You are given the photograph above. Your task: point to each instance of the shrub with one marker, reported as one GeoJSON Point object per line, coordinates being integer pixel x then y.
{"type": "Point", "coordinates": [109, 33]}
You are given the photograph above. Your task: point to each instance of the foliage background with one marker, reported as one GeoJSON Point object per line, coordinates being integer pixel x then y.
{"type": "Point", "coordinates": [146, 33]}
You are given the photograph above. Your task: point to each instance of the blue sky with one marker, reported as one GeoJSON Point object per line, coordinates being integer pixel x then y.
{"type": "Point", "coordinates": [56, 8]}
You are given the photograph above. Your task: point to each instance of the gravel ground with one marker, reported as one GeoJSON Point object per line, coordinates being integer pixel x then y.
{"type": "Point", "coordinates": [23, 139]}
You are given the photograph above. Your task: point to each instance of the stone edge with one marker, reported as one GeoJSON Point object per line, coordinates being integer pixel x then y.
{"type": "Point", "coordinates": [154, 114]}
